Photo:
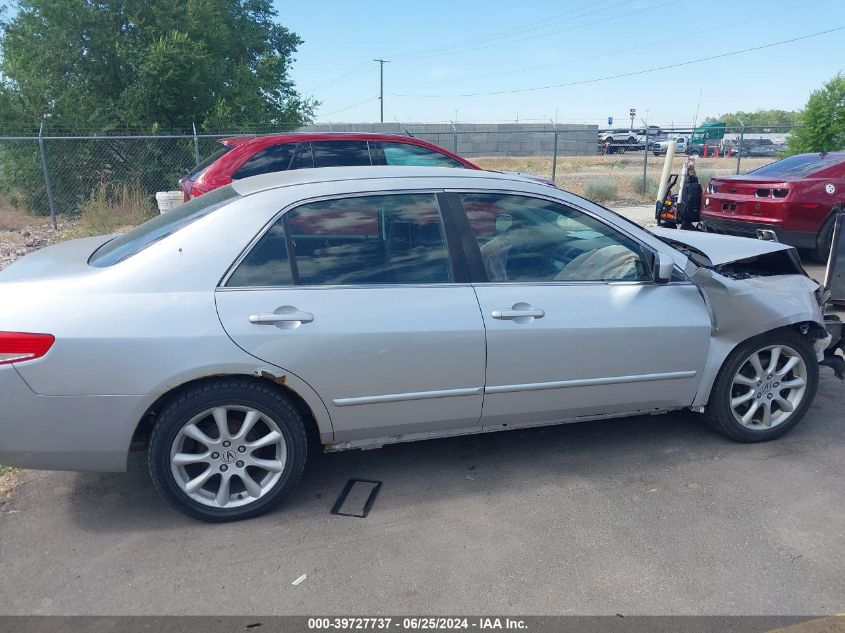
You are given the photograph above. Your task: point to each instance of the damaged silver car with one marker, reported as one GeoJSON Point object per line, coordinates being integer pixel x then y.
{"type": "Point", "coordinates": [361, 307]}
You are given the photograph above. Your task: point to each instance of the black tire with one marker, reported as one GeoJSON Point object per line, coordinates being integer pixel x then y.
{"type": "Point", "coordinates": [824, 240]}
{"type": "Point", "coordinates": [234, 391]}
{"type": "Point", "coordinates": [719, 414]}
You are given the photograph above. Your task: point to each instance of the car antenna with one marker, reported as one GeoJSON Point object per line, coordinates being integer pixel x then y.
{"type": "Point", "coordinates": [404, 129]}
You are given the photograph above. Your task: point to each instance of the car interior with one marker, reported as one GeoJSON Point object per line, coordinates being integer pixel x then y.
{"type": "Point", "coordinates": [363, 240]}
{"type": "Point", "coordinates": [526, 239]}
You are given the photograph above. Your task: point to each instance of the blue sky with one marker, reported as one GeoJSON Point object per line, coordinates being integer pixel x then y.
{"type": "Point", "coordinates": [440, 50]}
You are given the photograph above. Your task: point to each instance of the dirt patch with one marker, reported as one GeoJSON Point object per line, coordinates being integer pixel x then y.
{"type": "Point", "coordinates": [34, 234]}
{"type": "Point", "coordinates": [9, 480]}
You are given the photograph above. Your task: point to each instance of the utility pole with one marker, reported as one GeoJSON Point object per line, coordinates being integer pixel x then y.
{"type": "Point", "coordinates": [381, 63]}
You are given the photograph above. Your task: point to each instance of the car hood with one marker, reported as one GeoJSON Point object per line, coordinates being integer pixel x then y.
{"type": "Point", "coordinates": [720, 249]}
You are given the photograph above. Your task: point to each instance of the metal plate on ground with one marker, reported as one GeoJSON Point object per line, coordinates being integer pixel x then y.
{"type": "Point", "coordinates": [357, 498]}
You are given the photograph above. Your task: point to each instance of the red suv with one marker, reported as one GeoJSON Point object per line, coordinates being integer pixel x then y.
{"type": "Point", "coordinates": [793, 197]}
{"type": "Point", "coordinates": [244, 156]}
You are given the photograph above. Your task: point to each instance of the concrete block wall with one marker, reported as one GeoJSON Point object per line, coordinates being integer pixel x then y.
{"type": "Point", "coordinates": [486, 139]}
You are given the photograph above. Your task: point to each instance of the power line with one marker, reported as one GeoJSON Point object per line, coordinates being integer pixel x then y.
{"type": "Point", "coordinates": [549, 34]}
{"type": "Point", "coordinates": [623, 75]}
{"type": "Point", "coordinates": [357, 71]}
{"type": "Point", "coordinates": [684, 36]}
{"type": "Point", "coordinates": [517, 30]}
{"type": "Point", "coordinates": [349, 107]}
{"type": "Point", "coordinates": [362, 68]}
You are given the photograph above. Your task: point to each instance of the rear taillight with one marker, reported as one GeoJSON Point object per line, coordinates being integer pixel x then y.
{"type": "Point", "coordinates": [781, 192]}
{"type": "Point", "coordinates": [195, 191]}
{"type": "Point", "coordinates": [17, 347]}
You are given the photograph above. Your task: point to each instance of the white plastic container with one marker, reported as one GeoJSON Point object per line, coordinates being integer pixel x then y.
{"type": "Point", "coordinates": [168, 200]}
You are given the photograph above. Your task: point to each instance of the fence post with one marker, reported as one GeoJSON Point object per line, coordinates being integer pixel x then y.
{"type": "Point", "coordinates": [196, 144]}
{"type": "Point", "coordinates": [46, 175]}
{"type": "Point", "coordinates": [554, 159]}
{"type": "Point", "coordinates": [455, 136]}
{"type": "Point", "coordinates": [645, 162]}
{"type": "Point", "coordinates": [739, 153]}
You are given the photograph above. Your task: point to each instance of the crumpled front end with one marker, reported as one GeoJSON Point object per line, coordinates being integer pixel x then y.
{"type": "Point", "coordinates": [748, 297]}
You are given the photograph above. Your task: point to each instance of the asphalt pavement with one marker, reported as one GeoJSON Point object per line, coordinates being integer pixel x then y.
{"type": "Point", "coordinates": [647, 515]}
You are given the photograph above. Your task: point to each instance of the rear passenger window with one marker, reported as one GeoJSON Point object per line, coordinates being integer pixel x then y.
{"type": "Point", "coordinates": [270, 159]}
{"type": "Point", "coordinates": [415, 156]}
{"type": "Point", "coordinates": [341, 153]}
{"type": "Point", "coordinates": [266, 264]}
{"type": "Point", "coordinates": [389, 239]}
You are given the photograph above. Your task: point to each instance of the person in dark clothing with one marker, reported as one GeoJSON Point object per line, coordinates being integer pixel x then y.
{"type": "Point", "coordinates": [691, 204]}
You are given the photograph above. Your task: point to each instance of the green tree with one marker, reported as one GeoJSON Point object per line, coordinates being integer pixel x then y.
{"type": "Point", "coordinates": [158, 65]}
{"type": "Point", "coordinates": [163, 63]}
{"type": "Point", "coordinates": [822, 120]}
{"type": "Point", "coordinates": [758, 119]}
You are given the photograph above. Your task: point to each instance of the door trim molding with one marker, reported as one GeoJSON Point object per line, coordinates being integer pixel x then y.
{"type": "Point", "coordinates": [410, 395]}
{"type": "Point", "coordinates": [589, 382]}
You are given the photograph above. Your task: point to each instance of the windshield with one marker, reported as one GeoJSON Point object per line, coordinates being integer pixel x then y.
{"type": "Point", "coordinates": [139, 238]}
{"type": "Point", "coordinates": [801, 165]}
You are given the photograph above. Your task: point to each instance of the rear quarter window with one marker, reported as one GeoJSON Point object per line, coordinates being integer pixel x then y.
{"type": "Point", "coordinates": [126, 245]}
{"type": "Point", "coordinates": [415, 156]}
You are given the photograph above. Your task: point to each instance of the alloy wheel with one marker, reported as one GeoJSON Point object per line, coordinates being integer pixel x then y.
{"type": "Point", "coordinates": [768, 387]}
{"type": "Point", "coordinates": [228, 456]}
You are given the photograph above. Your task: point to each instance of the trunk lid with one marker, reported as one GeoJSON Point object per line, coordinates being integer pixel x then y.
{"type": "Point", "coordinates": [66, 259]}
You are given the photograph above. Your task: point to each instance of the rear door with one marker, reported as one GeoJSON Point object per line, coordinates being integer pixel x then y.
{"type": "Point", "coordinates": [366, 298]}
{"type": "Point", "coordinates": [574, 325]}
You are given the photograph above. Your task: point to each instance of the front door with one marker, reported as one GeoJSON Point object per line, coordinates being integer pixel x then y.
{"type": "Point", "coordinates": [574, 325]}
{"type": "Point", "coordinates": [359, 297]}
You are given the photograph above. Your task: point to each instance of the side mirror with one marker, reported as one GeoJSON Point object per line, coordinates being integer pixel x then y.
{"type": "Point", "coordinates": [661, 269]}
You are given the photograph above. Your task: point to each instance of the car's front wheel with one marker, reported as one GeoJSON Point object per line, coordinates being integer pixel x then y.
{"type": "Point", "coordinates": [227, 449]}
{"type": "Point", "coordinates": [764, 387]}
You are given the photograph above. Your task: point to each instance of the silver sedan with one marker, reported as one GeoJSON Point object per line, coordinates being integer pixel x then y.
{"type": "Point", "coordinates": [361, 307]}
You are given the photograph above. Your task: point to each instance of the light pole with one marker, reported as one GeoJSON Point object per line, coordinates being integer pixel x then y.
{"type": "Point", "coordinates": [381, 63]}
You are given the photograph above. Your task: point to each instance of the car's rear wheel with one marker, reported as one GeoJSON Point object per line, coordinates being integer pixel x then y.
{"type": "Point", "coordinates": [227, 449]}
{"type": "Point", "coordinates": [765, 387]}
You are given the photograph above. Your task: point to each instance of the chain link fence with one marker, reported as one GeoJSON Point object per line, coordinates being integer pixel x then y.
{"type": "Point", "coordinates": [68, 168]}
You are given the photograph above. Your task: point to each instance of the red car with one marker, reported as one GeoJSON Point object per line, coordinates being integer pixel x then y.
{"type": "Point", "coordinates": [243, 156]}
{"type": "Point", "coordinates": [793, 197]}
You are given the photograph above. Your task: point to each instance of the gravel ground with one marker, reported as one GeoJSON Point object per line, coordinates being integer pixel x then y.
{"type": "Point", "coordinates": [16, 243]}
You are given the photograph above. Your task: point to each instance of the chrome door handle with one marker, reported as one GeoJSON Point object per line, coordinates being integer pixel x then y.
{"type": "Point", "coordinates": [509, 315]}
{"type": "Point", "coordinates": [272, 318]}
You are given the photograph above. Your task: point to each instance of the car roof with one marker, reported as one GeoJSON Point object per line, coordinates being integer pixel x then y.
{"type": "Point", "coordinates": [298, 137]}
{"type": "Point", "coordinates": [275, 180]}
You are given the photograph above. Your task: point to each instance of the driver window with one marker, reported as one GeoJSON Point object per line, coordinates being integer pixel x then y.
{"type": "Point", "coordinates": [529, 239]}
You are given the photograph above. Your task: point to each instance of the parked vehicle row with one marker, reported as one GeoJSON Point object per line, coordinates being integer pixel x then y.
{"type": "Point", "coordinates": [358, 307]}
